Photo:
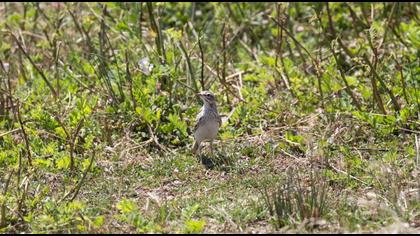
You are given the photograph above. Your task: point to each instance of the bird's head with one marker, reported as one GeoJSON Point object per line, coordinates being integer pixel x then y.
{"type": "Point", "coordinates": [207, 97]}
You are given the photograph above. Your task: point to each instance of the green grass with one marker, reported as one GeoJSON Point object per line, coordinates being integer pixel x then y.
{"type": "Point", "coordinates": [321, 110]}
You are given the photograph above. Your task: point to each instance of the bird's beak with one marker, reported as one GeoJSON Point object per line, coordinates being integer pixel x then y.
{"type": "Point", "coordinates": [198, 94]}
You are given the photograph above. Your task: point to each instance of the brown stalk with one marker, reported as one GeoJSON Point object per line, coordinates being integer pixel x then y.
{"type": "Point", "coordinates": [190, 67]}
{"type": "Point", "coordinates": [393, 99]}
{"type": "Point", "coordinates": [82, 31]}
{"type": "Point", "coordinates": [79, 185]}
{"type": "Point", "coordinates": [129, 79]}
{"type": "Point", "coordinates": [75, 134]}
{"type": "Point", "coordinates": [400, 69]}
{"type": "Point", "coordinates": [3, 205]}
{"type": "Point", "coordinates": [222, 78]}
{"type": "Point", "coordinates": [25, 135]}
{"type": "Point", "coordinates": [200, 46]}
{"type": "Point", "coordinates": [355, 17]}
{"type": "Point", "coordinates": [121, 91]}
{"type": "Point", "coordinates": [387, 25]}
{"type": "Point", "coordinates": [314, 61]}
{"type": "Point", "coordinates": [290, 28]}
{"type": "Point", "coordinates": [334, 35]}
{"type": "Point", "coordinates": [34, 65]}
{"type": "Point", "coordinates": [294, 39]}
{"type": "Point", "coordinates": [140, 21]}
{"type": "Point", "coordinates": [343, 77]}
{"type": "Point", "coordinates": [155, 27]}
{"type": "Point", "coordinates": [283, 73]}
{"type": "Point", "coordinates": [76, 188]}
{"type": "Point", "coordinates": [71, 138]}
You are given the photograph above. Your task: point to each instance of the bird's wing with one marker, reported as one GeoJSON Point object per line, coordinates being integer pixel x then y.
{"type": "Point", "coordinates": [199, 120]}
{"type": "Point", "coordinates": [219, 120]}
{"type": "Point", "coordinates": [198, 123]}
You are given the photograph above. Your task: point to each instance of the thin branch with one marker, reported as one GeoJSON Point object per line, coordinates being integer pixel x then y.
{"type": "Point", "coordinates": [34, 65]}
{"type": "Point", "coordinates": [202, 63]}
{"type": "Point", "coordinates": [155, 27]}
{"type": "Point", "coordinates": [400, 69]}
{"type": "Point", "coordinates": [9, 132]}
{"type": "Point", "coordinates": [25, 135]}
{"type": "Point", "coordinates": [294, 39]}
{"type": "Point", "coordinates": [79, 185]}
{"type": "Point", "coordinates": [417, 149]}
{"type": "Point", "coordinates": [129, 79]}
{"type": "Point", "coordinates": [3, 206]}
{"type": "Point", "coordinates": [82, 31]}
{"type": "Point", "coordinates": [190, 67]}
{"type": "Point", "coordinates": [349, 175]}
{"type": "Point", "coordinates": [334, 35]}
{"type": "Point", "coordinates": [393, 99]}
{"type": "Point", "coordinates": [73, 141]}
{"type": "Point", "coordinates": [343, 77]}
{"type": "Point", "coordinates": [409, 130]}
{"type": "Point", "coordinates": [387, 25]}
{"type": "Point", "coordinates": [76, 189]}
{"type": "Point", "coordinates": [314, 61]}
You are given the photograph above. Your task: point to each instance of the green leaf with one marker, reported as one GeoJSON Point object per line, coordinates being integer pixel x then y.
{"type": "Point", "coordinates": [194, 226]}
{"type": "Point", "coordinates": [63, 163]}
{"type": "Point", "coordinates": [352, 80]}
{"type": "Point", "coordinates": [173, 33]}
{"type": "Point", "coordinates": [126, 206]}
{"type": "Point", "coordinates": [88, 68]}
{"type": "Point", "coordinates": [99, 221]}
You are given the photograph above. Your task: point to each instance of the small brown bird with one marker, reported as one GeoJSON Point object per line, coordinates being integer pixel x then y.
{"type": "Point", "coordinates": [208, 121]}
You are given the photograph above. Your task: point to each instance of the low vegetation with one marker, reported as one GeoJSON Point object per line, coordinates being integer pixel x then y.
{"type": "Point", "coordinates": [320, 105]}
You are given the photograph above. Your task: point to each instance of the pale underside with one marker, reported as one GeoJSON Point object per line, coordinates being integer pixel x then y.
{"type": "Point", "coordinates": [207, 130]}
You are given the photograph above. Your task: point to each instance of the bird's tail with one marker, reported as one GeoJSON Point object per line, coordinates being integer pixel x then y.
{"type": "Point", "coordinates": [195, 147]}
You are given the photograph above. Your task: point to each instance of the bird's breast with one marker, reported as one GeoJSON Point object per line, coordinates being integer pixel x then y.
{"type": "Point", "coordinates": [208, 130]}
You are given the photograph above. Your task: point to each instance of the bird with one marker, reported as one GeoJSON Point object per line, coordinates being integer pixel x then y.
{"type": "Point", "coordinates": [208, 121]}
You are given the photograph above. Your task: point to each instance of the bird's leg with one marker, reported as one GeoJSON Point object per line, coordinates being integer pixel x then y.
{"type": "Point", "coordinates": [211, 147]}
{"type": "Point", "coordinates": [196, 147]}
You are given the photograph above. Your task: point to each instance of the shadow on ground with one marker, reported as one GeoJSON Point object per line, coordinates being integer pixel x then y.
{"type": "Point", "coordinates": [215, 161]}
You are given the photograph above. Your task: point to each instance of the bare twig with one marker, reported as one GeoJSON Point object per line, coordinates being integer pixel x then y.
{"type": "Point", "coordinates": [400, 69]}
{"type": "Point", "coordinates": [129, 79]}
{"type": "Point", "coordinates": [202, 63]}
{"type": "Point", "coordinates": [82, 31]}
{"type": "Point", "coordinates": [283, 72]}
{"type": "Point", "coordinates": [409, 130]}
{"type": "Point", "coordinates": [314, 61]}
{"type": "Point", "coordinates": [200, 46]}
{"type": "Point", "coordinates": [75, 134]}
{"type": "Point", "coordinates": [190, 67]}
{"type": "Point", "coordinates": [70, 138]}
{"type": "Point", "coordinates": [34, 65]}
{"type": "Point", "coordinates": [288, 154]}
{"type": "Point", "coordinates": [343, 77]}
{"type": "Point", "coordinates": [79, 185]}
{"type": "Point", "coordinates": [76, 189]}
{"type": "Point", "coordinates": [391, 94]}
{"type": "Point", "coordinates": [294, 39]}
{"type": "Point", "coordinates": [10, 132]}
{"type": "Point", "coordinates": [25, 135]}
{"type": "Point", "coordinates": [155, 26]}
{"type": "Point", "coordinates": [222, 78]}
{"type": "Point", "coordinates": [333, 33]}
{"type": "Point", "coordinates": [153, 136]}
{"type": "Point", "coordinates": [3, 206]}
{"type": "Point", "coordinates": [349, 175]}
{"type": "Point", "coordinates": [417, 149]}
{"type": "Point", "coordinates": [388, 22]}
